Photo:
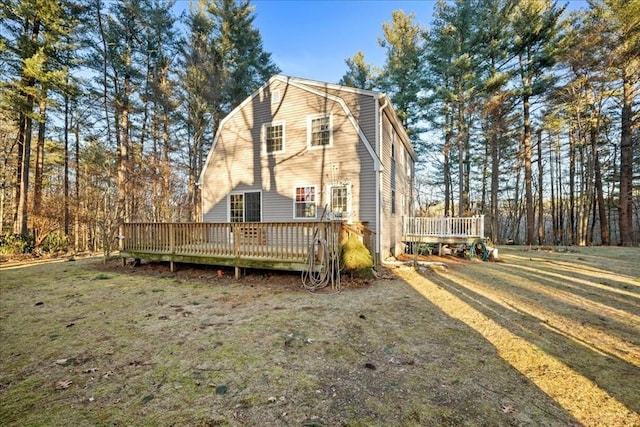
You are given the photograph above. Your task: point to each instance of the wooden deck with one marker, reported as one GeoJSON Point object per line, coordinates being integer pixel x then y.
{"type": "Point", "coordinates": [275, 245]}
{"type": "Point", "coordinates": [444, 230]}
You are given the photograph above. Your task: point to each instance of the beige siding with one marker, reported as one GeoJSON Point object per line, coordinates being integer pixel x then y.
{"type": "Point", "coordinates": [391, 230]}
{"type": "Point", "coordinates": [238, 162]}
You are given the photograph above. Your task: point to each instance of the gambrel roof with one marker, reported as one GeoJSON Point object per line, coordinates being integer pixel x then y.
{"type": "Point", "coordinates": [328, 91]}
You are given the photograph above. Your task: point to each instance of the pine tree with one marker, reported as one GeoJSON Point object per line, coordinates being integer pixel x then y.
{"type": "Point", "coordinates": [359, 74]}
{"type": "Point", "coordinates": [403, 74]}
{"type": "Point", "coordinates": [32, 39]}
{"type": "Point", "coordinates": [535, 27]}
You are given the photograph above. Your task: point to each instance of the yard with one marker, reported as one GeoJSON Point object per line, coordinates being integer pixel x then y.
{"type": "Point", "coordinates": [542, 338]}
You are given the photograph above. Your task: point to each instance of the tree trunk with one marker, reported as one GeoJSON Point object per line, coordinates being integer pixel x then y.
{"type": "Point", "coordinates": [528, 176]}
{"type": "Point", "coordinates": [20, 225]}
{"type": "Point", "coordinates": [541, 234]}
{"type": "Point", "coordinates": [461, 153]}
{"type": "Point", "coordinates": [625, 206]}
{"type": "Point", "coordinates": [448, 137]}
{"type": "Point", "coordinates": [77, 204]}
{"type": "Point", "coordinates": [39, 165]}
{"type": "Point", "coordinates": [552, 207]}
{"type": "Point", "coordinates": [67, 217]}
{"type": "Point", "coordinates": [572, 187]}
{"type": "Point", "coordinates": [495, 182]}
{"type": "Point", "coordinates": [602, 215]}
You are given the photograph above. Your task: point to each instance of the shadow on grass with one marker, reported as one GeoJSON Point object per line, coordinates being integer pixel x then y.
{"type": "Point", "coordinates": [616, 376]}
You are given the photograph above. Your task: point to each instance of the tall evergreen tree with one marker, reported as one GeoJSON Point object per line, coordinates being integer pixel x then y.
{"type": "Point", "coordinates": [244, 64]}
{"type": "Point", "coordinates": [32, 39]}
{"type": "Point", "coordinates": [620, 31]}
{"type": "Point", "coordinates": [403, 73]}
{"type": "Point", "coordinates": [535, 36]}
{"type": "Point", "coordinates": [454, 82]}
{"type": "Point", "coordinates": [359, 74]}
{"type": "Point", "coordinates": [491, 38]}
{"type": "Point", "coordinates": [224, 62]}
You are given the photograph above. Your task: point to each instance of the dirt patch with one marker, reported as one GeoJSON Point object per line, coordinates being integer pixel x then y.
{"type": "Point", "coordinates": [470, 344]}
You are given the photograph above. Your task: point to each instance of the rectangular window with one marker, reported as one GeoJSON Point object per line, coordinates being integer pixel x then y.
{"type": "Point", "coordinates": [275, 96]}
{"type": "Point", "coordinates": [393, 144]}
{"type": "Point", "coordinates": [245, 207]}
{"type": "Point", "coordinates": [393, 201]}
{"type": "Point", "coordinates": [236, 207]}
{"type": "Point", "coordinates": [273, 137]}
{"type": "Point", "coordinates": [320, 132]}
{"type": "Point", "coordinates": [305, 202]}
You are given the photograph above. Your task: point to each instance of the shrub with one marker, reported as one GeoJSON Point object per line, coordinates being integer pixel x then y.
{"type": "Point", "coordinates": [55, 242]}
{"type": "Point", "coordinates": [16, 244]}
{"type": "Point", "coordinates": [355, 256]}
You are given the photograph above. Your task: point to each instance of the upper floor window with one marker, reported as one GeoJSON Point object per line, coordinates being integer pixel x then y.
{"type": "Point", "coordinates": [275, 96]}
{"type": "Point", "coordinates": [393, 143]}
{"type": "Point", "coordinates": [305, 202]}
{"type": "Point", "coordinates": [273, 137]}
{"type": "Point", "coordinates": [320, 131]}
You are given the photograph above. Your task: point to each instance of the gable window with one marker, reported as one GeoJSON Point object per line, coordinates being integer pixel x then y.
{"type": "Point", "coordinates": [305, 202]}
{"type": "Point", "coordinates": [245, 207]}
{"type": "Point", "coordinates": [275, 96]}
{"type": "Point", "coordinates": [320, 131]}
{"type": "Point", "coordinates": [273, 137]}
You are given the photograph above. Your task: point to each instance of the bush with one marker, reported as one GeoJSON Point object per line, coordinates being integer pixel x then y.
{"type": "Point", "coordinates": [355, 256]}
{"type": "Point", "coordinates": [16, 244]}
{"type": "Point", "coordinates": [55, 242]}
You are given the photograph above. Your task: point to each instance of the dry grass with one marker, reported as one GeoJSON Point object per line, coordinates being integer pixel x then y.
{"type": "Point", "coordinates": [544, 338]}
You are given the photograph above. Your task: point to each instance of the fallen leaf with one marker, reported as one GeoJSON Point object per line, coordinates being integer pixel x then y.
{"type": "Point", "coordinates": [507, 409]}
{"type": "Point", "coordinates": [61, 385]}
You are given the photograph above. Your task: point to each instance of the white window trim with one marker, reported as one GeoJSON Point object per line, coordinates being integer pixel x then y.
{"type": "Point", "coordinates": [319, 116]}
{"type": "Point", "coordinates": [263, 137]}
{"type": "Point", "coordinates": [315, 192]}
{"type": "Point", "coordinates": [348, 215]}
{"type": "Point", "coordinates": [243, 205]}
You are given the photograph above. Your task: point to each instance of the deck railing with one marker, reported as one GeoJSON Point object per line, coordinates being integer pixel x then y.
{"type": "Point", "coordinates": [444, 227]}
{"type": "Point", "coordinates": [287, 241]}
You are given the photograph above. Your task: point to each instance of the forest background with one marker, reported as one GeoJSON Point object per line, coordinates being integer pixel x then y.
{"type": "Point", "coordinates": [518, 111]}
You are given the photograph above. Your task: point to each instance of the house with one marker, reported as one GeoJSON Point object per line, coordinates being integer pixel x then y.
{"type": "Point", "coordinates": [303, 150]}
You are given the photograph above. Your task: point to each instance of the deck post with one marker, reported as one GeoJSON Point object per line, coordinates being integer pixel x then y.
{"type": "Point", "coordinates": [172, 266]}
{"type": "Point", "coordinates": [172, 238]}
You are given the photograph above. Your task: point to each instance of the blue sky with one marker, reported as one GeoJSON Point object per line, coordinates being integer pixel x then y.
{"type": "Point", "coordinates": [312, 39]}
